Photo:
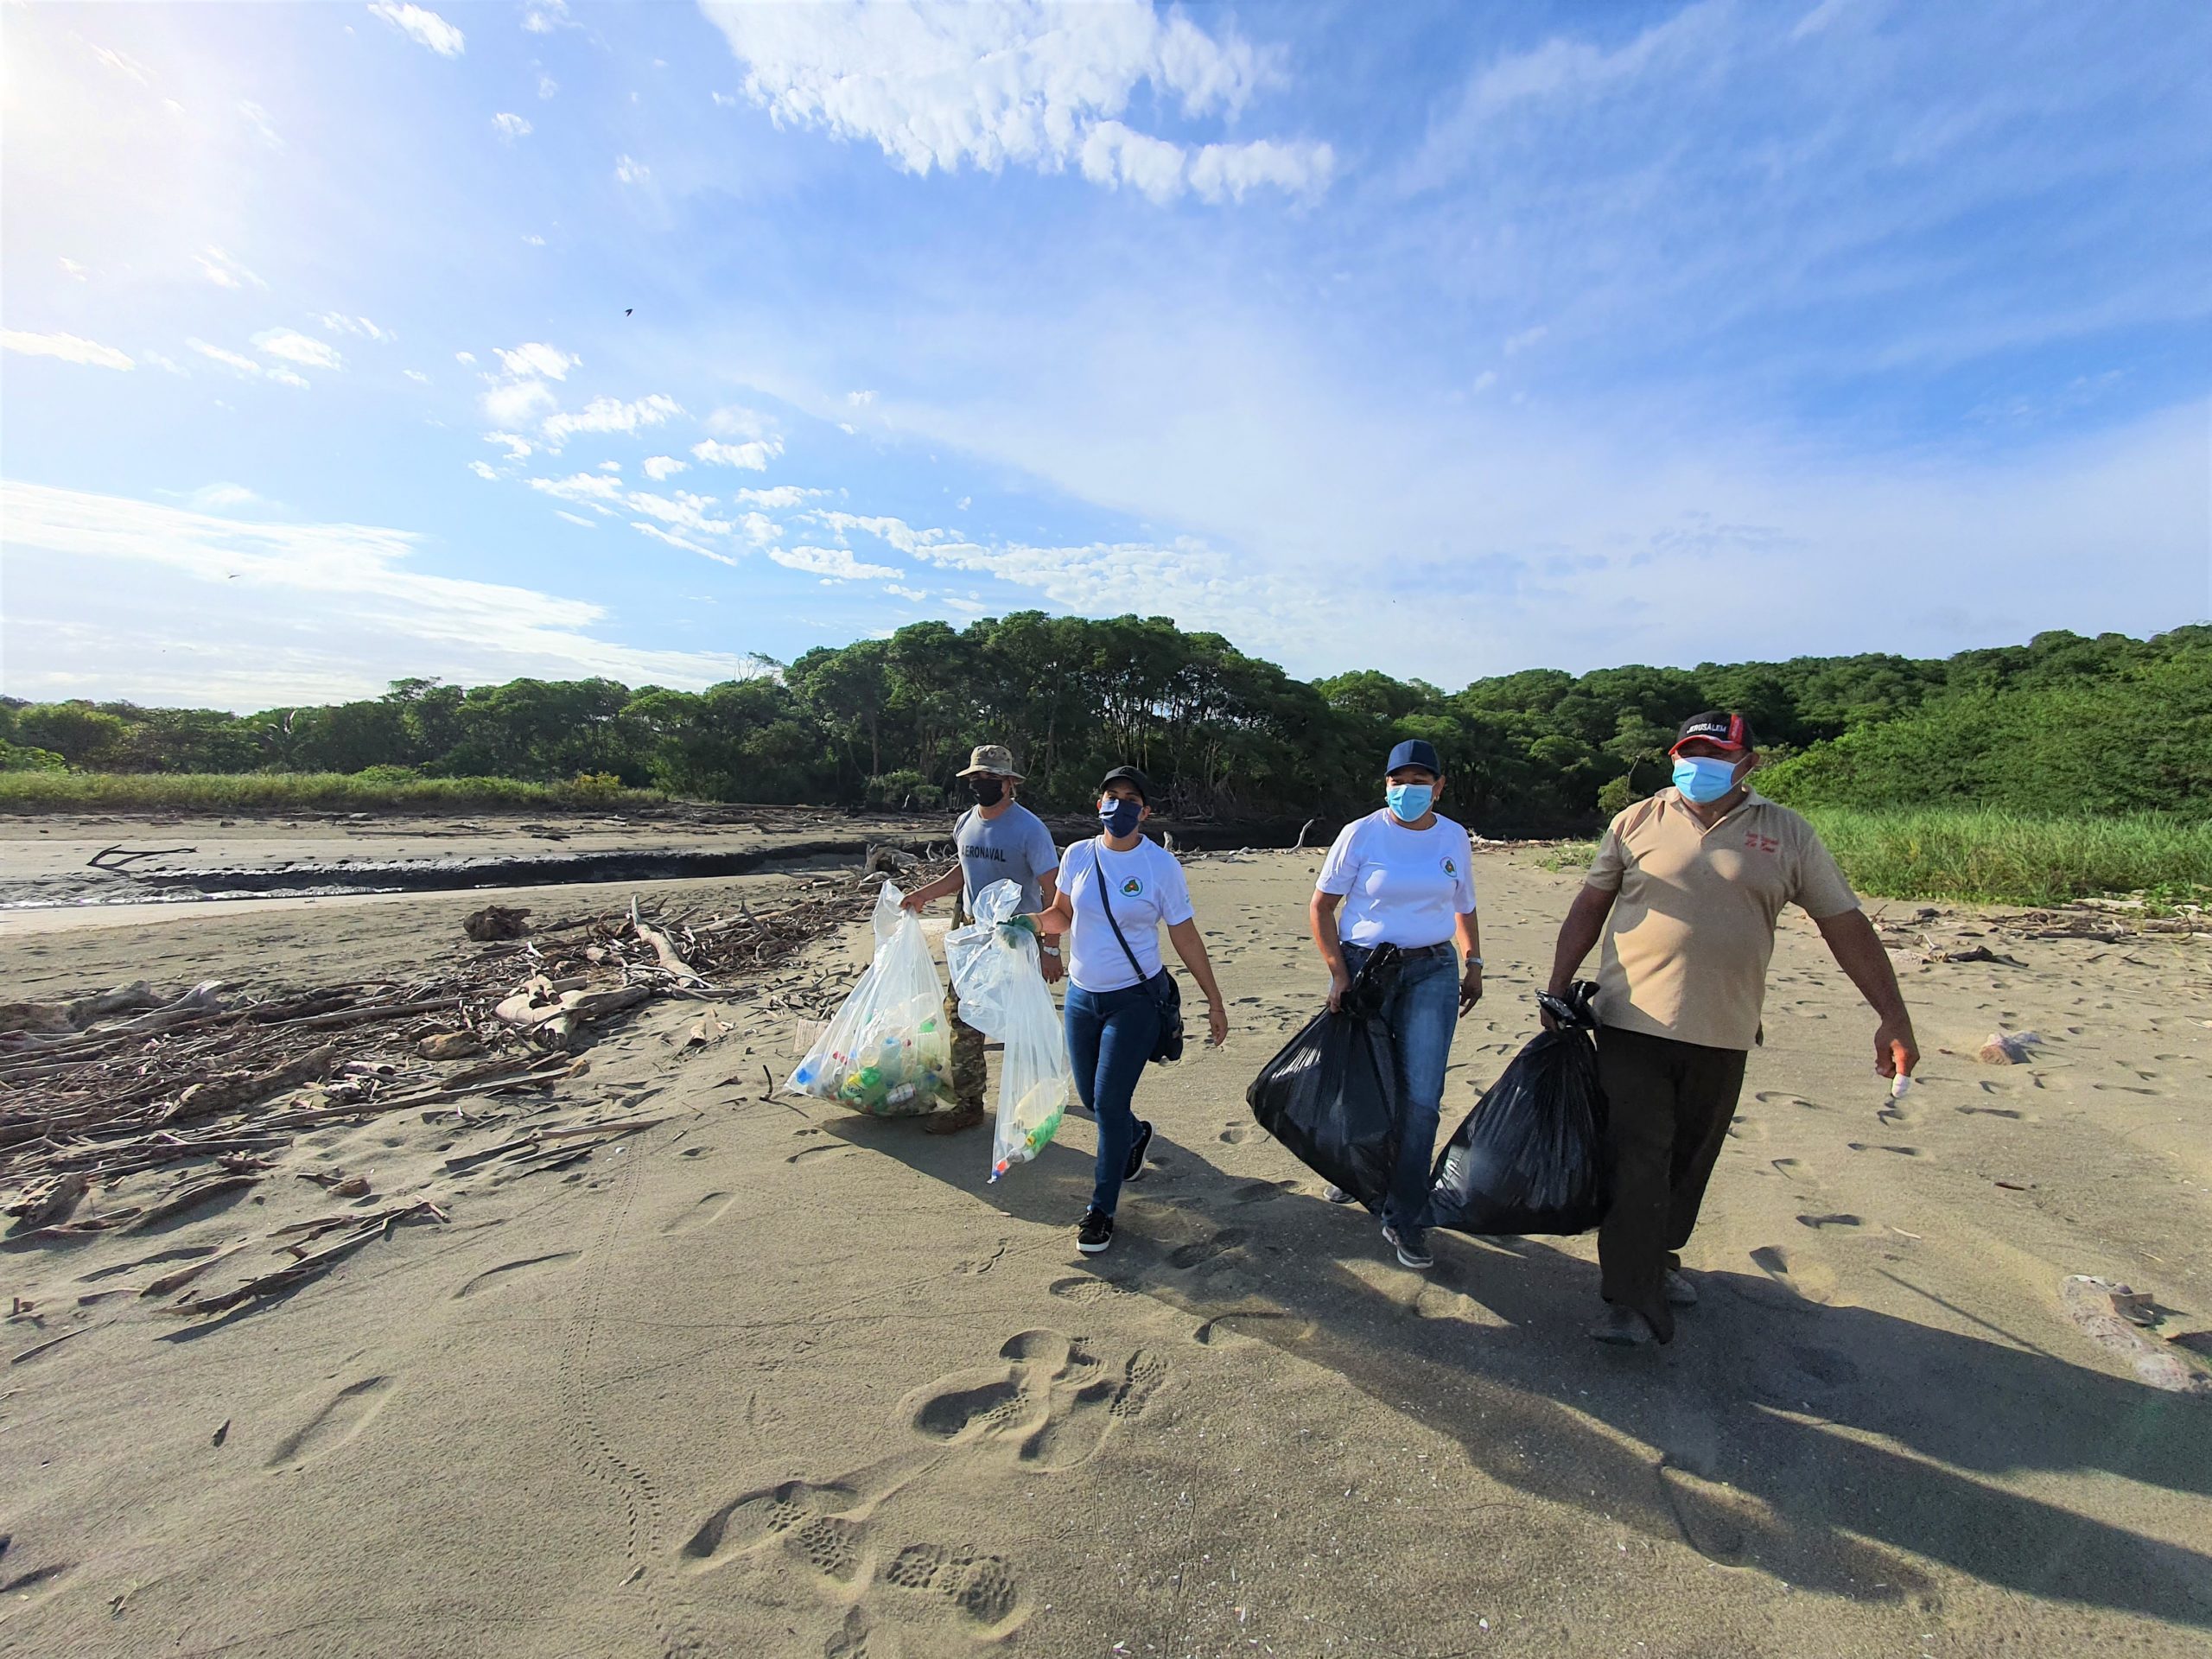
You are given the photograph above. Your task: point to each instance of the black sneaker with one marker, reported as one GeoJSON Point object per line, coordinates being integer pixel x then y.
{"type": "Point", "coordinates": [1097, 1233]}
{"type": "Point", "coordinates": [1137, 1150]}
{"type": "Point", "coordinates": [1411, 1245]}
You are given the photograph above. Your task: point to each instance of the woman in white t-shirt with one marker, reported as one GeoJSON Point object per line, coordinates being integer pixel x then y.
{"type": "Point", "coordinates": [1116, 983]}
{"type": "Point", "coordinates": [1404, 876]}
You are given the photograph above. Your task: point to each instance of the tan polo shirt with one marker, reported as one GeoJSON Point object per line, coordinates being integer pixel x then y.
{"type": "Point", "coordinates": [1686, 945]}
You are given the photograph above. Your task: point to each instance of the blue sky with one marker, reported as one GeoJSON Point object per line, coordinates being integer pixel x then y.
{"type": "Point", "coordinates": [1446, 340]}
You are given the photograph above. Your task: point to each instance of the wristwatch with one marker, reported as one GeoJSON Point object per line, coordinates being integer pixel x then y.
{"type": "Point", "coordinates": [1474, 962]}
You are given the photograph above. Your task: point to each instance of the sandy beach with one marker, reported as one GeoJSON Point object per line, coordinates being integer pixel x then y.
{"type": "Point", "coordinates": [769, 1378]}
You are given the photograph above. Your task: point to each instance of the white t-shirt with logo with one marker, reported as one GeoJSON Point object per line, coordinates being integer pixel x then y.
{"type": "Point", "coordinates": [1400, 887]}
{"type": "Point", "coordinates": [1148, 890]}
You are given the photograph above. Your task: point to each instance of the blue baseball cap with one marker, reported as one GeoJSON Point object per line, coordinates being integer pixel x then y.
{"type": "Point", "coordinates": [1414, 752]}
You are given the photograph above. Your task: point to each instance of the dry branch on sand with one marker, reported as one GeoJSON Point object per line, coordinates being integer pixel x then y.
{"type": "Point", "coordinates": [110, 1085]}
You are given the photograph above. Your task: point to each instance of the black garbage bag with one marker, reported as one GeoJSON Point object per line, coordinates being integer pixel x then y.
{"type": "Point", "coordinates": [1531, 1156]}
{"type": "Point", "coordinates": [1332, 1095]}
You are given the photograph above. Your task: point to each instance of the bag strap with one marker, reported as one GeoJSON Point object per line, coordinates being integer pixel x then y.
{"type": "Point", "coordinates": [1099, 870]}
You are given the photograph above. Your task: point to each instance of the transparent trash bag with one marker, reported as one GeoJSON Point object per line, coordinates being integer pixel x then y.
{"type": "Point", "coordinates": [889, 1051]}
{"type": "Point", "coordinates": [1003, 995]}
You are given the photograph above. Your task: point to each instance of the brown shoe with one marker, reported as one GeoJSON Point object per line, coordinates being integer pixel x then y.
{"type": "Point", "coordinates": [952, 1122]}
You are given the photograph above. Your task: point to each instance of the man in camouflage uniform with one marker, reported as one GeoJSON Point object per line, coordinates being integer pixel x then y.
{"type": "Point", "coordinates": [998, 840]}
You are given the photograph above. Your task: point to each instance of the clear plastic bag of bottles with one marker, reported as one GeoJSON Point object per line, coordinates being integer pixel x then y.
{"type": "Point", "coordinates": [889, 1051]}
{"type": "Point", "coordinates": [1003, 995]}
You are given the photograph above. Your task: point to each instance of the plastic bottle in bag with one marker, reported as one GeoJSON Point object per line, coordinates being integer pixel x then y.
{"type": "Point", "coordinates": [887, 1051]}
{"type": "Point", "coordinates": [1531, 1157]}
{"type": "Point", "coordinates": [1003, 995]}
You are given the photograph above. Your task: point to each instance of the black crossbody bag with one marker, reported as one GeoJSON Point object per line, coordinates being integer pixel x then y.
{"type": "Point", "coordinates": [1169, 994]}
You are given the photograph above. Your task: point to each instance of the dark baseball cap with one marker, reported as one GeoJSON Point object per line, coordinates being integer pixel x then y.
{"type": "Point", "coordinates": [1414, 752]}
{"type": "Point", "coordinates": [1133, 779]}
{"type": "Point", "coordinates": [1718, 726]}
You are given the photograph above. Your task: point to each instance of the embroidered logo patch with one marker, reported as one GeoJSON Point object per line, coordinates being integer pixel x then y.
{"type": "Point", "coordinates": [1132, 888]}
{"type": "Point", "coordinates": [1451, 868]}
{"type": "Point", "coordinates": [1756, 842]}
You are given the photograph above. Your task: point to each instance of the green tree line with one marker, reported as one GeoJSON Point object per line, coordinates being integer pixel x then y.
{"type": "Point", "coordinates": [2063, 723]}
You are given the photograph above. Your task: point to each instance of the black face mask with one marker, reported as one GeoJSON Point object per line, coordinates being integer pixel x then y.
{"type": "Point", "coordinates": [989, 792]}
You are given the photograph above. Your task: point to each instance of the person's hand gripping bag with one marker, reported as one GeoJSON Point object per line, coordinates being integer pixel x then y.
{"type": "Point", "coordinates": [887, 1051]}
{"type": "Point", "coordinates": [1003, 995]}
{"type": "Point", "coordinates": [1330, 1096]}
{"type": "Point", "coordinates": [1531, 1157]}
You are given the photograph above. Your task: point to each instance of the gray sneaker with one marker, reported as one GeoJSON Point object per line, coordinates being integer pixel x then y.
{"type": "Point", "coordinates": [1624, 1327]}
{"type": "Point", "coordinates": [1336, 1194]}
{"type": "Point", "coordinates": [1679, 1288]}
{"type": "Point", "coordinates": [1412, 1245]}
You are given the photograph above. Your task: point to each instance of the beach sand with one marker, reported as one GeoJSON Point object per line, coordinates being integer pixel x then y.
{"type": "Point", "coordinates": [768, 1378]}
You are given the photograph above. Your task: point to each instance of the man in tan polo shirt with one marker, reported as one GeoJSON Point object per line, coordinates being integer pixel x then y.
{"type": "Point", "coordinates": [1686, 890]}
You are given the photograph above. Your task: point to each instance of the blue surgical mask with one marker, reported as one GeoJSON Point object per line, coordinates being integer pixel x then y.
{"type": "Point", "coordinates": [1410, 802]}
{"type": "Point", "coordinates": [1702, 778]}
{"type": "Point", "coordinates": [1119, 816]}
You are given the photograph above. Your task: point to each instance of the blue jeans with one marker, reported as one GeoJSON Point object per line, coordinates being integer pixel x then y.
{"type": "Point", "coordinates": [1422, 1013]}
{"type": "Point", "coordinates": [1110, 1036]}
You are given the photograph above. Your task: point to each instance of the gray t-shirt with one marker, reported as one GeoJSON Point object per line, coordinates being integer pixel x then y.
{"type": "Point", "coordinates": [1014, 847]}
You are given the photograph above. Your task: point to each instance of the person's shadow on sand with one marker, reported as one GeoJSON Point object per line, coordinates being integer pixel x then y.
{"type": "Point", "coordinates": [1792, 1438]}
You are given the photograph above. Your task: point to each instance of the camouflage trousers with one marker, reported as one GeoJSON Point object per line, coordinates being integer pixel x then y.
{"type": "Point", "coordinates": [968, 1079]}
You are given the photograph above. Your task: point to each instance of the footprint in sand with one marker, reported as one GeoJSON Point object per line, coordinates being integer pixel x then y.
{"type": "Point", "coordinates": [345, 1414]}
{"type": "Point", "coordinates": [1819, 1222]}
{"type": "Point", "coordinates": [815, 1153]}
{"type": "Point", "coordinates": [1084, 1291]}
{"type": "Point", "coordinates": [1259, 1323]}
{"type": "Point", "coordinates": [819, 1529]}
{"type": "Point", "coordinates": [1902, 1151]}
{"type": "Point", "coordinates": [704, 1211]}
{"type": "Point", "coordinates": [1237, 1134]}
{"type": "Point", "coordinates": [1776, 1097]}
{"type": "Point", "coordinates": [1201, 1251]}
{"type": "Point", "coordinates": [1714, 1518]}
{"type": "Point", "coordinates": [1791, 1169]}
{"type": "Point", "coordinates": [1051, 1404]}
{"type": "Point", "coordinates": [1989, 1111]}
{"type": "Point", "coordinates": [1808, 1281]}
{"type": "Point", "coordinates": [1260, 1192]}
{"type": "Point", "coordinates": [499, 1275]}
{"type": "Point", "coordinates": [980, 1588]}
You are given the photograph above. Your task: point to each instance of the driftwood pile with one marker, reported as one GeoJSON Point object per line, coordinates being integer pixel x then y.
{"type": "Point", "coordinates": [215, 1083]}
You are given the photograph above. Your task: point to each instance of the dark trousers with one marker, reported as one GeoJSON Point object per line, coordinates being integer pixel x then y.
{"type": "Point", "coordinates": [1668, 1106]}
{"type": "Point", "coordinates": [1110, 1036]}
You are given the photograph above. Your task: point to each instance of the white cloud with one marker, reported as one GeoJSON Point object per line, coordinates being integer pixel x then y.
{"type": "Point", "coordinates": [69, 348]}
{"type": "Point", "coordinates": [574, 517]}
{"type": "Point", "coordinates": [581, 486]}
{"type": "Point", "coordinates": [1516, 344]}
{"type": "Point", "coordinates": [338, 323]}
{"type": "Point", "coordinates": [295, 348]}
{"type": "Point", "coordinates": [610, 465]}
{"type": "Point", "coordinates": [516, 403]}
{"type": "Point", "coordinates": [517, 448]}
{"type": "Point", "coordinates": [659, 467]}
{"type": "Point", "coordinates": [483, 470]}
{"type": "Point", "coordinates": [416, 374]}
{"type": "Point", "coordinates": [1039, 84]}
{"type": "Point", "coordinates": [918, 595]}
{"type": "Point", "coordinates": [534, 239]}
{"type": "Point", "coordinates": [264, 128]}
{"type": "Point", "coordinates": [535, 357]}
{"type": "Point", "coordinates": [724, 100]}
{"type": "Point", "coordinates": [547, 86]}
{"type": "Point", "coordinates": [836, 563]}
{"type": "Point", "coordinates": [627, 171]}
{"type": "Point", "coordinates": [684, 509]}
{"type": "Point", "coordinates": [464, 357]}
{"type": "Point", "coordinates": [246, 366]}
{"type": "Point", "coordinates": [168, 363]}
{"type": "Point", "coordinates": [213, 497]}
{"type": "Point", "coordinates": [781, 498]}
{"type": "Point", "coordinates": [546, 15]}
{"type": "Point", "coordinates": [735, 421]}
{"type": "Point", "coordinates": [225, 271]}
{"type": "Point", "coordinates": [424, 27]}
{"type": "Point", "coordinates": [860, 399]}
{"type": "Point", "coordinates": [511, 126]}
{"type": "Point", "coordinates": [754, 457]}
{"type": "Point", "coordinates": [124, 66]}
{"type": "Point", "coordinates": [1484, 381]}
{"type": "Point", "coordinates": [610, 414]}
{"type": "Point", "coordinates": [673, 540]}
{"type": "Point", "coordinates": [248, 642]}
{"type": "Point", "coordinates": [70, 267]}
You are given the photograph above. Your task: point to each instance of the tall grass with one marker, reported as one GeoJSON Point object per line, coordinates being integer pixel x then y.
{"type": "Point", "coordinates": [1990, 856]}
{"type": "Point", "coordinates": [285, 791]}
{"type": "Point", "coordinates": [2010, 858]}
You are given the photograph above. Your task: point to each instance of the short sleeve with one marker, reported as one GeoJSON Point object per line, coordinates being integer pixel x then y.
{"type": "Point", "coordinates": [1463, 895]}
{"type": "Point", "coordinates": [1174, 890]}
{"type": "Point", "coordinates": [1605, 869]}
{"type": "Point", "coordinates": [1042, 859]}
{"type": "Point", "coordinates": [1821, 886]}
{"type": "Point", "coordinates": [1341, 868]}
